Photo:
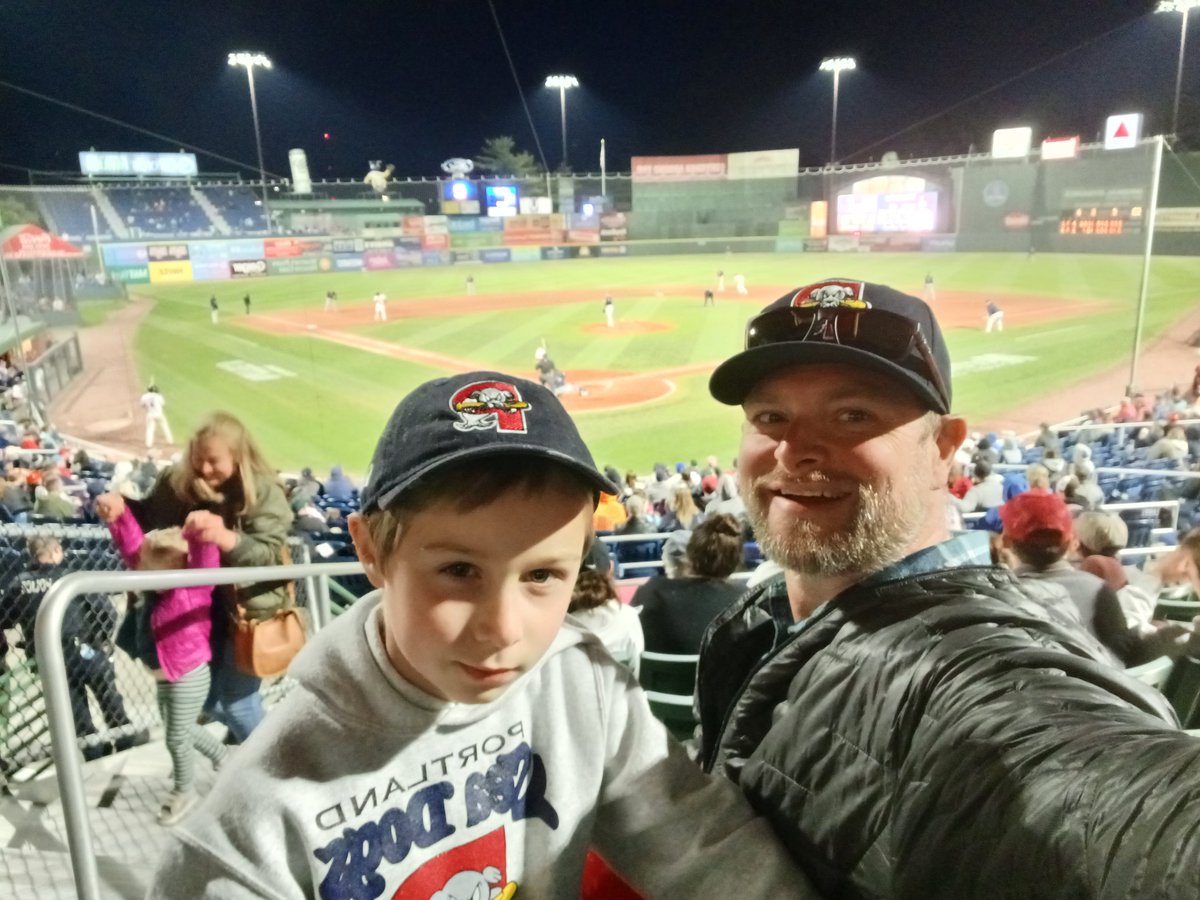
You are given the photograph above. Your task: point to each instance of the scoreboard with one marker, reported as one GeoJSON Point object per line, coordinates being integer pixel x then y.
{"type": "Point", "coordinates": [1094, 220]}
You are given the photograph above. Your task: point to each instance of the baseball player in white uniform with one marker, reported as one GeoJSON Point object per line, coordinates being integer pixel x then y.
{"type": "Point", "coordinates": [380, 306]}
{"type": "Point", "coordinates": [153, 403]}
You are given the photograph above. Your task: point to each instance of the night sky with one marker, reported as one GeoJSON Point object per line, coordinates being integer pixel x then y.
{"type": "Point", "coordinates": [413, 82]}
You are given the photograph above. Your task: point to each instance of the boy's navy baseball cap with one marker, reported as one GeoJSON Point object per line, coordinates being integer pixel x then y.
{"type": "Point", "coordinates": [473, 416]}
{"type": "Point", "coordinates": [841, 320]}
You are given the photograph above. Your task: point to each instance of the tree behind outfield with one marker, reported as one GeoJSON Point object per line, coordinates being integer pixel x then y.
{"type": "Point", "coordinates": [500, 156]}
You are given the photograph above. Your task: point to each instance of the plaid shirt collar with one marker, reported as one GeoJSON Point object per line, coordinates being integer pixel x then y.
{"type": "Point", "coordinates": [964, 548]}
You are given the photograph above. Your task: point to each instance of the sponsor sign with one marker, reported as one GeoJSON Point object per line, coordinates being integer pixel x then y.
{"type": "Point", "coordinates": [460, 207]}
{"type": "Point", "coordinates": [305, 265]}
{"type": "Point", "coordinates": [172, 272]}
{"type": "Point", "coordinates": [495, 255]}
{"type": "Point", "coordinates": [1060, 148]}
{"type": "Point", "coordinates": [378, 243]}
{"type": "Point", "coordinates": [464, 256]}
{"type": "Point", "coordinates": [210, 269]}
{"type": "Point", "coordinates": [583, 235]}
{"type": "Point", "coordinates": [462, 225]}
{"type": "Point", "coordinates": [816, 245]}
{"type": "Point", "coordinates": [528, 253]}
{"type": "Point", "coordinates": [939, 243]}
{"type": "Point", "coordinates": [764, 164]}
{"type": "Point", "coordinates": [209, 250]}
{"type": "Point", "coordinates": [346, 262]}
{"type": "Point", "coordinates": [246, 249]}
{"type": "Point", "coordinates": [614, 226]}
{"type": "Point", "coordinates": [285, 248]}
{"type": "Point", "coordinates": [1177, 218]}
{"type": "Point", "coordinates": [437, 225]}
{"type": "Point", "coordinates": [475, 240]}
{"type": "Point", "coordinates": [1122, 132]}
{"type": "Point", "coordinates": [247, 268]}
{"type": "Point", "coordinates": [408, 251]}
{"type": "Point", "coordinates": [412, 225]}
{"type": "Point", "coordinates": [843, 243]}
{"type": "Point", "coordinates": [789, 245]}
{"type": "Point", "coordinates": [995, 194]}
{"type": "Point", "coordinates": [129, 274]}
{"type": "Point", "coordinates": [435, 242]}
{"type": "Point", "coordinates": [435, 258]}
{"type": "Point", "coordinates": [104, 162]}
{"type": "Point", "coordinates": [379, 259]}
{"type": "Point", "coordinates": [164, 252]}
{"type": "Point", "coordinates": [613, 250]}
{"type": "Point", "coordinates": [559, 252]}
{"type": "Point", "coordinates": [1010, 143]}
{"type": "Point", "coordinates": [712, 167]}
{"type": "Point", "coordinates": [492, 224]}
{"type": "Point", "coordinates": [347, 245]}
{"type": "Point", "coordinates": [1014, 221]}
{"type": "Point", "coordinates": [125, 255]}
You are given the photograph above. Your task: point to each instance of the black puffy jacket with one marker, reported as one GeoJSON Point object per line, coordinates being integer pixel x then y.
{"type": "Point", "coordinates": [944, 736]}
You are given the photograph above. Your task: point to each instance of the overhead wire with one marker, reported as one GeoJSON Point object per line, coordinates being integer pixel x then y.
{"type": "Point", "coordinates": [512, 68]}
{"type": "Point", "coordinates": [74, 107]}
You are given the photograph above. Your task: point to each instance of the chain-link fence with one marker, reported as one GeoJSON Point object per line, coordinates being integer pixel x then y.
{"type": "Point", "coordinates": [113, 698]}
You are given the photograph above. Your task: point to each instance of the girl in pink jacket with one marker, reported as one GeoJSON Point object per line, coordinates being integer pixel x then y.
{"type": "Point", "coordinates": [181, 622]}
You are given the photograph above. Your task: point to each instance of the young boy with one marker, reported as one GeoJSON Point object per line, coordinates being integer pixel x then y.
{"type": "Point", "coordinates": [450, 736]}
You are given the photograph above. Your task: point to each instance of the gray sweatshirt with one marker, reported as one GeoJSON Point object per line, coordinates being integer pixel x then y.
{"type": "Point", "coordinates": [359, 785]}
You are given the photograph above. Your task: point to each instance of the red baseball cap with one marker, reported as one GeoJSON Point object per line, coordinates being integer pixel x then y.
{"type": "Point", "coordinates": [1033, 511]}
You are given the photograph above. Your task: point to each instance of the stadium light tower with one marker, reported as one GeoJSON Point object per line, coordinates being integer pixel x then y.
{"type": "Point", "coordinates": [837, 65]}
{"type": "Point", "coordinates": [248, 61]}
{"type": "Point", "coordinates": [1179, 6]}
{"type": "Point", "coordinates": [562, 82]}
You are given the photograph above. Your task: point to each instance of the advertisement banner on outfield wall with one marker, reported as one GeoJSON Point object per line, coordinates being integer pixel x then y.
{"type": "Point", "coordinates": [559, 252]}
{"type": "Point", "coordinates": [710, 167]}
{"type": "Point", "coordinates": [435, 258]}
{"type": "Point", "coordinates": [526, 253]}
{"type": "Point", "coordinates": [613, 250]}
{"type": "Point", "coordinates": [482, 239]}
{"type": "Point", "coordinates": [462, 225]}
{"type": "Point", "coordinates": [492, 224]}
{"type": "Point", "coordinates": [211, 251]}
{"type": "Point", "coordinates": [437, 225]}
{"type": "Point", "coordinates": [247, 268]}
{"type": "Point", "coordinates": [764, 164]}
{"type": "Point", "coordinates": [125, 255]}
{"type": "Point", "coordinates": [843, 243]}
{"type": "Point", "coordinates": [536, 229]}
{"type": "Point", "coordinates": [939, 243]}
{"type": "Point", "coordinates": [166, 252]}
{"type": "Point", "coordinates": [464, 256]}
{"type": "Point", "coordinates": [412, 225]}
{"type": "Point", "coordinates": [170, 272]}
{"type": "Point", "coordinates": [583, 235]}
{"type": "Point", "coordinates": [347, 262]}
{"type": "Point", "coordinates": [210, 269]}
{"type": "Point", "coordinates": [305, 265]}
{"type": "Point", "coordinates": [347, 245]}
{"type": "Point", "coordinates": [408, 252]}
{"type": "Point", "coordinates": [435, 242]}
{"type": "Point", "coordinates": [379, 259]}
{"type": "Point", "coordinates": [614, 226]}
{"type": "Point", "coordinates": [816, 245]}
{"type": "Point", "coordinates": [289, 248]}
{"type": "Point", "coordinates": [496, 256]}
{"type": "Point", "coordinates": [129, 274]}
{"type": "Point", "coordinates": [245, 248]}
{"type": "Point", "coordinates": [377, 243]}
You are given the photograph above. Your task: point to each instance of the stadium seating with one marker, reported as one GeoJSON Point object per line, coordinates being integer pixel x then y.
{"type": "Point", "coordinates": [69, 214]}
{"type": "Point", "coordinates": [669, 681]}
{"type": "Point", "coordinates": [167, 212]}
{"type": "Point", "coordinates": [239, 207]}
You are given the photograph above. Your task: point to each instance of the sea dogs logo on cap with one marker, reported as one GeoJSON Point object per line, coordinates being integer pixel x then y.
{"type": "Point", "coordinates": [831, 295]}
{"type": "Point", "coordinates": [490, 404]}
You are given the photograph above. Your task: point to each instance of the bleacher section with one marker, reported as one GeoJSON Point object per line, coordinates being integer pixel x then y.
{"type": "Point", "coordinates": [240, 208]}
{"type": "Point", "coordinates": [161, 211]}
{"type": "Point", "coordinates": [68, 213]}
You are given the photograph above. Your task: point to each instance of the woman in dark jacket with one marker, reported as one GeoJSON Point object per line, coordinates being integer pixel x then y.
{"type": "Point", "coordinates": [677, 607]}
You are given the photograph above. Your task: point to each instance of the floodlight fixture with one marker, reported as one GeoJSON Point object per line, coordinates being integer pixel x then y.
{"type": "Point", "coordinates": [1178, 6]}
{"type": "Point", "coordinates": [837, 65]}
{"type": "Point", "coordinates": [562, 82]}
{"type": "Point", "coordinates": [249, 61]}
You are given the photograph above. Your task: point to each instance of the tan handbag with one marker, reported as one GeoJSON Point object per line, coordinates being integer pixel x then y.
{"type": "Point", "coordinates": [266, 647]}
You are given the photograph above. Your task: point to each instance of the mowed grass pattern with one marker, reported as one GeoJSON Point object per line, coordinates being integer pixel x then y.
{"type": "Point", "coordinates": [333, 406]}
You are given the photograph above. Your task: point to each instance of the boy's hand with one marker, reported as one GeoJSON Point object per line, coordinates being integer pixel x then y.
{"type": "Point", "coordinates": [208, 528]}
{"type": "Point", "coordinates": [109, 507]}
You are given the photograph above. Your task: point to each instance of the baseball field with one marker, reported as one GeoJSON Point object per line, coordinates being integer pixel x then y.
{"type": "Point", "coordinates": [316, 386]}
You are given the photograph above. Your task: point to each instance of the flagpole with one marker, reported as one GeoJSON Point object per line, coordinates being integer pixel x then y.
{"type": "Point", "coordinates": [603, 192]}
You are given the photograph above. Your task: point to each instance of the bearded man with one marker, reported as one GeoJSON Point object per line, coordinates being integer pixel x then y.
{"type": "Point", "coordinates": [913, 721]}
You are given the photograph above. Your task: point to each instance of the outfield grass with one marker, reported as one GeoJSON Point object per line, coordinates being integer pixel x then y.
{"type": "Point", "coordinates": [334, 406]}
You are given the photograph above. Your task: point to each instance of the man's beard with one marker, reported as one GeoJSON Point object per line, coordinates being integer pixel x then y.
{"type": "Point", "coordinates": [880, 531]}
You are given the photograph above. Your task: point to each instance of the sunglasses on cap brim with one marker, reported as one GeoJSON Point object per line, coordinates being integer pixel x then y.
{"type": "Point", "coordinates": [884, 334]}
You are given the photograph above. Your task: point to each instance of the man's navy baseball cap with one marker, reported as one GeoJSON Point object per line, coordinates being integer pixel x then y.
{"type": "Point", "coordinates": [841, 320]}
{"type": "Point", "coordinates": [473, 416]}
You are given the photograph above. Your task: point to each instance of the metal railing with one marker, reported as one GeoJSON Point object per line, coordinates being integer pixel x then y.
{"type": "Point", "coordinates": [52, 666]}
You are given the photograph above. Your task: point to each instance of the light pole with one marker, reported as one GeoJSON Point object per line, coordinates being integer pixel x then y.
{"type": "Point", "coordinates": [836, 65]}
{"type": "Point", "coordinates": [562, 82]}
{"type": "Point", "coordinates": [1179, 6]}
{"type": "Point", "coordinates": [248, 61]}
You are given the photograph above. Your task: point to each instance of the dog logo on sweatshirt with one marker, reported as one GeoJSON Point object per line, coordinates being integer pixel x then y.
{"type": "Point", "coordinates": [482, 405]}
{"type": "Point", "coordinates": [831, 295]}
